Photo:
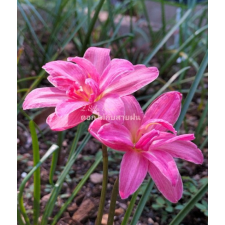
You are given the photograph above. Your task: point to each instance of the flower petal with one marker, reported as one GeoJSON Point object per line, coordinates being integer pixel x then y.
{"type": "Point", "coordinates": [133, 170]}
{"type": "Point", "coordinates": [165, 163]}
{"type": "Point", "coordinates": [44, 97]}
{"type": "Point", "coordinates": [95, 126]}
{"type": "Point", "coordinates": [110, 108]}
{"type": "Point", "coordinates": [167, 107]}
{"type": "Point", "coordinates": [68, 121]}
{"type": "Point", "coordinates": [87, 66]}
{"type": "Point", "coordinates": [62, 70]}
{"type": "Point", "coordinates": [149, 124]}
{"type": "Point", "coordinates": [99, 57]}
{"type": "Point", "coordinates": [133, 115]}
{"type": "Point", "coordinates": [116, 136]}
{"type": "Point", "coordinates": [94, 87]}
{"type": "Point", "coordinates": [170, 192]}
{"type": "Point", "coordinates": [68, 106]}
{"type": "Point", "coordinates": [132, 81]}
{"type": "Point", "coordinates": [113, 71]}
{"type": "Point", "coordinates": [165, 138]}
{"type": "Point", "coordinates": [145, 141]}
{"type": "Point", "coordinates": [183, 149]}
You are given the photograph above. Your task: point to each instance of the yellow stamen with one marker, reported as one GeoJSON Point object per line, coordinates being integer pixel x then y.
{"type": "Point", "coordinates": [147, 126]}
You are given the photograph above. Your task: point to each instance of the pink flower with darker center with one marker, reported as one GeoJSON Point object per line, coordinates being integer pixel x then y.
{"type": "Point", "coordinates": [148, 146]}
{"type": "Point", "coordinates": [92, 84]}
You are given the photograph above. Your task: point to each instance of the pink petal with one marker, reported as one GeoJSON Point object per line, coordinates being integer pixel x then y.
{"type": "Point", "coordinates": [95, 126]}
{"type": "Point", "coordinates": [165, 138]}
{"type": "Point", "coordinates": [145, 141]}
{"type": "Point", "coordinates": [68, 106]}
{"type": "Point", "coordinates": [133, 115]}
{"type": "Point", "coordinates": [94, 87]}
{"type": "Point", "coordinates": [165, 163]}
{"type": "Point", "coordinates": [110, 108]}
{"type": "Point", "coordinates": [132, 173]}
{"type": "Point", "coordinates": [44, 97]}
{"type": "Point", "coordinates": [170, 192]}
{"type": "Point", "coordinates": [61, 82]}
{"type": "Point", "coordinates": [113, 71]}
{"type": "Point", "coordinates": [60, 70]}
{"type": "Point", "coordinates": [87, 66]}
{"type": "Point", "coordinates": [68, 121]}
{"type": "Point", "coordinates": [132, 81]}
{"type": "Point", "coordinates": [167, 107]}
{"type": "Point", "coordinates": [149, 124]}
{"type": "Point", "coordinates": [115, 136]}
{"type": "Point", "coordinates": [99, 57]}
{"type": "Point", "coordinates": [183, 149]}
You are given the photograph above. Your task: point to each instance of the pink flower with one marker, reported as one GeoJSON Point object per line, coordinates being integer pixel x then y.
{"type": "Point", "coordinates": [92, 84]}
{"type": "Point", "coordinates": [148, 146]}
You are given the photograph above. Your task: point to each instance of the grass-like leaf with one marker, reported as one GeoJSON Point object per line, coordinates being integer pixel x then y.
{"type": "Point", "coordinates": [57, 187]}
{"type": "Point", "coordinates": [77, 189]}
{"type": "Point", "coordinates": [164, 40]}
{"type": "Point", "coordinates": [190, 205]}
{"type": "Point", "coordinates": [142, 202]}
{"type": "Point", "coordinates": [37, 178]}
{"type": "Point", "coordinates": [191, 93]}
{"type": "Point", "coordinates": [90, 28]}
{"type": "Point", "coordinates": [55, 157]}
{"type": "Point", "coordinates": [130, 208]}
{"type": "Point", "coordinates": [183, 46]}
{"type": "Point", "coordinates": [22, 186]}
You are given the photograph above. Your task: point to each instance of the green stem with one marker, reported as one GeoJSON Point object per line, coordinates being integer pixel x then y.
{"type": "Point", "coordinates": [113, 202]}
{"type": "Point", "coordinates": [104, 185]}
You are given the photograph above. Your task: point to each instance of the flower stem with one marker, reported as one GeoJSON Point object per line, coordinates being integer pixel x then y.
{"type": "Point", "coordinates": [113, 202]}
{"type": "Point", "coordinates": [104, 185]}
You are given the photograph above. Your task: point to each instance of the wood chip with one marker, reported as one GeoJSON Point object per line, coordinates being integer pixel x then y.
{"type": "Point", "coordinates": [88, 208]}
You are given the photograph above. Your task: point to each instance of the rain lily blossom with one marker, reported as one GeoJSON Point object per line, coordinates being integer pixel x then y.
{"type": "Point", "coordinates": [93, 84]}
{"type": "Point", "coordinates": [148, 145]}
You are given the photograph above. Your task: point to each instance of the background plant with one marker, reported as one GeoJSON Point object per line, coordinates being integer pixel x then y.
{"type": "Point", "coordinates": [58, 29]}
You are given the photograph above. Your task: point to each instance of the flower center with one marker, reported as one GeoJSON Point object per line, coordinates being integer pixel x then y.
{"type": "Point", "coordinates": [78, 93]}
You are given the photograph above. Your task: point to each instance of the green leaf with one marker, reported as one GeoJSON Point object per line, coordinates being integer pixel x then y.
{"type": "Point", "coordinates": [57, 187]}
{"type": "Point", "coordinates": [165, 39]}
{"type": "Point", "coordinates": [169, 209]}
{"type": "Point", "coordinates": [130, 208]}
{"type": "Point", "coordinates": [37, 178]}
{"type": "Point", "coordinates": [156, 207]}
{"type": "Point", "coordinates": [22, 186]}
{"type": "Point", "coordinates": [160, 201]}
{"type": "Point", "coordinates": [142, 202]}
{"type": "Point", "coordinates": [55, 157]}
{"type": "Point", "coordinates": [200, 206]}
{"type": "Point", "coordinates": [189, 206]}
{"type": "Point", "coordinates": [191, 93]}
{"type": "Point", "coordinates": [179, 207]}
